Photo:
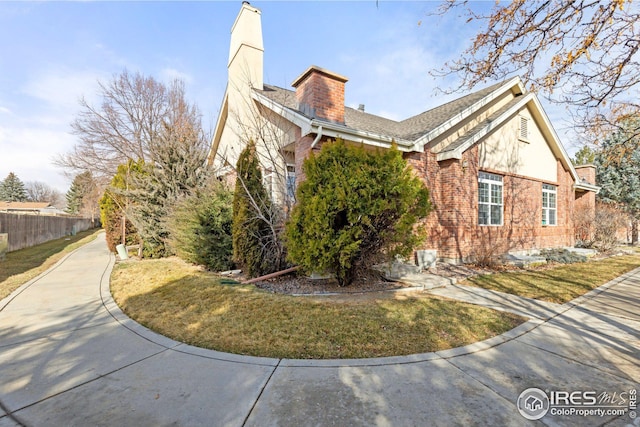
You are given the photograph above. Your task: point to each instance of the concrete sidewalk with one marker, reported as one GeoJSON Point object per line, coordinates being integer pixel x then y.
{"type": "Point", "coordinates": [68, 356]}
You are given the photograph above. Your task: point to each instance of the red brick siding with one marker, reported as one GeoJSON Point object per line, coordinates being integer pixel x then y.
{"type": "Point", "coordinates": [453, 225]}
{"type": "Point", "coordinates": [303, 149]}
{"type": "Point", "coordinates": [321, 96]}
{"type": "Point", "coordinates": [587, 173]}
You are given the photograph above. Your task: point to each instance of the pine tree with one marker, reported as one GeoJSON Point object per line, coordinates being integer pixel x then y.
{"type": "Point", "coordinates": [79, 194]}
{"type": "Point", "coordinates": [355, 208]}
{"type": "Point", "coordinates": [250, 231]}
{"type": "Point", "coordinates": [584, 156]}
{"type": "Point", "coordinates": [200, 227]}
{"type": "Point", "coordinates": [12, 189]}
{"type": "Point", "coordinates": [74, 198]}
{"type": "Point", "coordinates": [113, 205]}
{"type": "Point", "coordinates": [618, 174]}
{"type": "Point", "coordinates": [177, 171]}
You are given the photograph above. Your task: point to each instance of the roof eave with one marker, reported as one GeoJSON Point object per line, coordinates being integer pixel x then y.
{"type": "Point", "coordinates": [457, 152]}
{"type": "Point", "coordinates": [581, 186]}
{"type": "Point", "coordinates": [303, 122]}
{"type": "Point", "coordinates": [217, 133]}
{"type": "Point", "coordinates": [335, 130]}
{"type": "Point", "coordinates": [451, 122]}
{"type": "Point", "coordinates": [368, 138]}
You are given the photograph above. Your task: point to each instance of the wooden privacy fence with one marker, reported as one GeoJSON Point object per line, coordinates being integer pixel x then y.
{"type": "Point", "coordinates": [26, 230]}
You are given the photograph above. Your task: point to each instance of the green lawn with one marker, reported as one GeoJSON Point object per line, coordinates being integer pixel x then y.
{"type": "Point", "coordinates": [21, 266]}
{"type": "Point", "coordinates": [560, 284]}
{"type": "Point", "coordinates": [182, 302]}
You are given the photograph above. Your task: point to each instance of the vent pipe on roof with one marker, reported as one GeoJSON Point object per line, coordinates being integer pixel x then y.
{"type": "Point", "coordinates": [361, 107]}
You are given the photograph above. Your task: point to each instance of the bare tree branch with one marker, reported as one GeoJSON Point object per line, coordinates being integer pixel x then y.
{"type": "Point", "coordinates": [583, 53]}
{"type": "Point", "coordinates": [126, 125]}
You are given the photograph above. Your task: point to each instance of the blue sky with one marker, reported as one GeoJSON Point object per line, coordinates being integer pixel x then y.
{"type": "Point", "coordinates": [53, 53]}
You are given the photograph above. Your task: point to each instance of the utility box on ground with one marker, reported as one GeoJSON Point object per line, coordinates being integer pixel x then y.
{"type": "Point", "coordinates": [426, 258]}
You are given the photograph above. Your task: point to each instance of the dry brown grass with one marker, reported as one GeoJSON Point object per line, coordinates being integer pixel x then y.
{"type": "Point", "coordinates": [192, 306]}
{"type": "Point", "coordinates": [21, 266]}
{"type": "Point", "coordinates": [560, 284]}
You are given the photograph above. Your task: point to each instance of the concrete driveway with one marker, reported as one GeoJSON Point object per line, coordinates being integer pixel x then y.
{"type": "Point", "coordinates": [69, 357]}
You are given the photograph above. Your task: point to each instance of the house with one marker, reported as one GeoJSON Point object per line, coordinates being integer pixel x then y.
{"type": "Point", "coordinates": [37, 208]}
{"type": "Point", "coordinates": [499, 177]}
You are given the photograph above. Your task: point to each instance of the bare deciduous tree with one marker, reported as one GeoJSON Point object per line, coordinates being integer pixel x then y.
{"type": "Point", "coordinates": [583, 53]}
{"type": "Point", "coordinates": [126, 125]}
{"type": "Point", "coordinates": [38, 191]}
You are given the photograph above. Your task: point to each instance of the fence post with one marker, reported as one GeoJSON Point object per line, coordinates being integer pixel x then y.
{"type": "Point", "coordinates": [4, 245]}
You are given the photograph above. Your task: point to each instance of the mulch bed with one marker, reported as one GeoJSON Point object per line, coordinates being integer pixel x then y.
{"type": "Point", "coordinates": [373, 281]}
{"type": "Point", "coordinates": [299, 284]}
{"type": "Point", "coordinates": [370, 281]}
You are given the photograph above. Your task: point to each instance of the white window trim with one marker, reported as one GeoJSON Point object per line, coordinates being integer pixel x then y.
{"type": "Point", "coordinates": [483, 177]}
{"type": "Point", "coordinates": [288, 174]}
{"type": "Point", "coordinates": [549, 189]}
{"type": "Point", "coordinates": [523, 128]}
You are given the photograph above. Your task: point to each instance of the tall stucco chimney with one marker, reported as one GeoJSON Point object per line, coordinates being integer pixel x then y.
{"type": "Point", "coordinates": [246, 50]}
{"type": "Point", "coordinates": [320, 94]}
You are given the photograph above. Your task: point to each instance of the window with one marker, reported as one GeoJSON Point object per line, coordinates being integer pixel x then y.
{"type": "Point", "coordinates": [523, 132]}
{"type": "Point", "coordinates": [489, 199]}
{"type": "Point", "coordinates": [549, 196]}
{"type": "Point", "coordinates": [291, 182]}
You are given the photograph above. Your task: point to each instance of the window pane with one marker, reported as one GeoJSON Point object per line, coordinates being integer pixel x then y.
{"type": "Point", "coordinates": [489, 176]}
{"type": "Point", "coordinates": [483, 214]}
{"type": "Point", "coordinates": [552, 217]}
{"type": "Point", "coordinates": [552, 200]}
{"type": "Point", "coordinates": [483, 192]}
{"type": "Point", "coordinates": [291, 186]}
{"type": "Point", "coordinates": [496, 215]}
{"type": "Point", "coordinates": [496, 194]}
{"type": "Point", "coordinates": [545, 199]}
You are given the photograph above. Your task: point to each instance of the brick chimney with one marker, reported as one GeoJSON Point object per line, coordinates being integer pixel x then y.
{"type": "Point", "coordinates": [587, 173]}
{"type": "Point", "coordinates": [320, 94]}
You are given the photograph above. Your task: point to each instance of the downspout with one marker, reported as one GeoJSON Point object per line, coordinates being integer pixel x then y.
{"type": "Point", "coordinates": [318, 136]}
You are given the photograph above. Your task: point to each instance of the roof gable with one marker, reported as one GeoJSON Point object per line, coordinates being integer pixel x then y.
{"type": "Point", "coordinates": [410, 129]}
{"type": "Point", "coordinates": [413, 133]}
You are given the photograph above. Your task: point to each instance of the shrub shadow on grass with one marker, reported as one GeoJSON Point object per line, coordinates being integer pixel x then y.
{"type": "Point", "coordinates": [560, 284]}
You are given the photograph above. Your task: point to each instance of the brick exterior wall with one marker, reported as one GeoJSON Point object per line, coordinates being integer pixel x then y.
{"type": "Point", "coordinates": [585, 204]}
{"type": "Point", "coordinates": [453, 225]}
{"type": "Point", "coordinates": [586, 200]}
{"type": "Point", "coordinates": [320, 94]}
{"type": "Point", "coordinates": [302, 151]}
{"type": "Point", "coordinates": [587, 173]}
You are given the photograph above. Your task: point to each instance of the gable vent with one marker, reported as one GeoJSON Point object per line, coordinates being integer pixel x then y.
{"type": "Point", "coordinates": [524, 128]}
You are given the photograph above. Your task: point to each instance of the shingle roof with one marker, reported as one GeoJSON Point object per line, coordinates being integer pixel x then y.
{"type": "Point", "coordinates": [24, 205]}
{"type": "Point", "coordinates": [480, 126]}
{"type": "Point", "coordinates": [409, 129]}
